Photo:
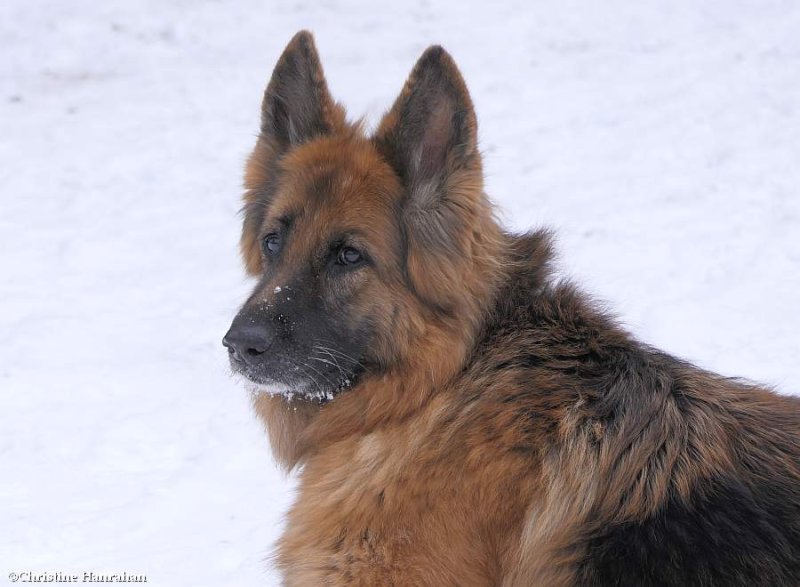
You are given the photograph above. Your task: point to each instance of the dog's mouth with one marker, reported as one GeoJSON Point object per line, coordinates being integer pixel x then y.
{"type": "Point", "coordinates": [294, 379]}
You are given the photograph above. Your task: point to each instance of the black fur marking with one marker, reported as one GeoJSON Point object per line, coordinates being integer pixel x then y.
{"type": "Point", "coordinates": [731, 534]}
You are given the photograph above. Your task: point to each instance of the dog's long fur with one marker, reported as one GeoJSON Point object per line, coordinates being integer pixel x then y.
{"type": "Point", "coordinates": [501, 429]}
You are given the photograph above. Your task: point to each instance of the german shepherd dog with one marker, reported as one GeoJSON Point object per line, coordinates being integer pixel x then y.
{"type": "Point", "coordinates": [457, 416]}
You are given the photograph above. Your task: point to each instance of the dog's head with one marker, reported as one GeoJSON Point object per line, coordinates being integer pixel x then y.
{"type": "Point", "coordinates": [370, 251]}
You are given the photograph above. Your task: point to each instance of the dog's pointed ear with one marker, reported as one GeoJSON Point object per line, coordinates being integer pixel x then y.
{"type": "Point", "coordinates": [429, 137]}
{"type": "Point", "coordinates": [431, 130]}
{"type": "Point", "coordinates": [297, 105]}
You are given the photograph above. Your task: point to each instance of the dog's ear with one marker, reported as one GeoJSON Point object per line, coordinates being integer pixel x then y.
{"type": "Point", "coordinates": [430, 138]}
{"type": "Point", "coordinates": [431, 130]}
{"type": "Point", "coordinates": [297, 105]}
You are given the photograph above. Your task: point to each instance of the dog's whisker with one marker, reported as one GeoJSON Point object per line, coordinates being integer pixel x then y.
{"type": "Point", "coordinates": [318, 372]}
{"type": "Point", "coordinates": [344, 375]}
{"type": "Point", "coordinates": [327, 362]}
{"type": "Point", "coordinates": [341, 354]}
{"type": "Point", "coordinates": [331, 355]}
{"type": "Point", "coordinates": [311, 378]}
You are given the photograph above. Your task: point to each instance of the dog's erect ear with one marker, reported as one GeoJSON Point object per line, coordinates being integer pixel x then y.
{"type": "Point", "coordinates": [297, 105]}
{"type": "Point", "coordinates": [430, 138]}
{"type": "Point", "coordinates": [431, 130]}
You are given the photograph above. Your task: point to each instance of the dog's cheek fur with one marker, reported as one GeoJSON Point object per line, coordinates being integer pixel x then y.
{"type": "Point", "coordinates": [260, 182]}
{"type": "Point", "coordinates": [456, 243]}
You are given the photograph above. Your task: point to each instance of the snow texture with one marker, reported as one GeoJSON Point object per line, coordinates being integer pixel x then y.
{"type": "Point", "coordinates": [661, 140]}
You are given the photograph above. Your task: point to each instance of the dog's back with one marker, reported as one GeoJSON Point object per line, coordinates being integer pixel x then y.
{"type": "Point", "coordinates": [651, 471]}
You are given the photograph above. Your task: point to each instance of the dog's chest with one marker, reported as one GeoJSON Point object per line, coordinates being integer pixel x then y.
{"type": "Point", "coordinates": [375, 511]}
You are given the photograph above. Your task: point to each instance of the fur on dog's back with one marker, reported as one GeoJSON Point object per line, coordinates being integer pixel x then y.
{"type": "Point", "coordinates": [500, 428]}
{"type": "Point", "coordinates": [651, 471]}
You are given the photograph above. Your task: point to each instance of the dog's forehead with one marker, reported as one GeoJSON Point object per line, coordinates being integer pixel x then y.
{"type": "Point", "coordinates": [345, 179]}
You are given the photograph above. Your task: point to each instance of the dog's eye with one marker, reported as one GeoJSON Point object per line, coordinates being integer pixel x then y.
{"type": "Point", "coordinates": [271, 244]}
{"type": "Point", "coordinates": [349, 256]}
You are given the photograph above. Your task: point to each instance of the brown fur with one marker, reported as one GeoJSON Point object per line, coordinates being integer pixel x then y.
{"type": "Point", "coordinates": [511, 427]}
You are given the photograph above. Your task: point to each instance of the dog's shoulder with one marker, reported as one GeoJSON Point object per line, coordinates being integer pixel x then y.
{"type": "Point", "coordinates": [648, 462]}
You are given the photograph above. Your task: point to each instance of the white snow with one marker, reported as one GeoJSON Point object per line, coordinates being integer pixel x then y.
{"type": "Point", "coordinates": [661, 140]}
{"type": "Point", "coordinates": [290, 393]}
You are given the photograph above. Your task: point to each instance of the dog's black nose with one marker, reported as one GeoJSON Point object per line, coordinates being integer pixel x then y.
{"type": "Point", "coordinates": [247, 340]}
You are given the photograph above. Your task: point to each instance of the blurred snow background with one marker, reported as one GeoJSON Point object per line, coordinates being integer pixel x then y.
{"type": "Point", "coordinates": [661, 140]}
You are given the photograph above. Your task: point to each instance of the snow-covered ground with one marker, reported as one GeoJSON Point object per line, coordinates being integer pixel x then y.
{"type": "Point", "coordinates": [662, 140]}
